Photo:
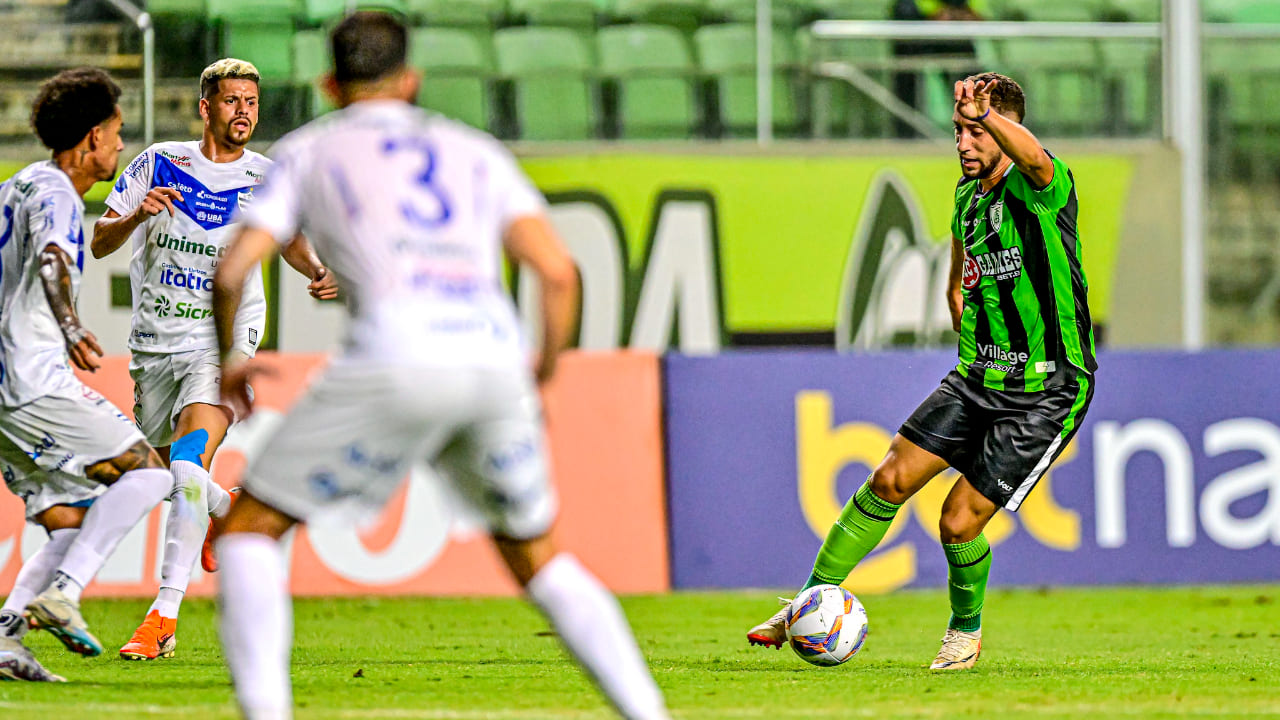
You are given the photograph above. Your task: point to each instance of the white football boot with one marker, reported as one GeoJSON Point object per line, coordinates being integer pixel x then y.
{"type": "Point", "coordinates": [959, 650]}
{"type": "Point", "coordinates": [772, 632]}
{"type": "Point", "coordinates": [17, 663]}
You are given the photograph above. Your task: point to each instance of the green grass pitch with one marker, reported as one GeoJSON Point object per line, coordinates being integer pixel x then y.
{"type": "Point", "coordinates": [1099, 653]}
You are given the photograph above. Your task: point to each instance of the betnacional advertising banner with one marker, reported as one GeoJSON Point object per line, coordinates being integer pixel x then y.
{"type": "Point", "coordinates": [603, 418]}
{"type": "Point", "coordinates": [1174, 476]}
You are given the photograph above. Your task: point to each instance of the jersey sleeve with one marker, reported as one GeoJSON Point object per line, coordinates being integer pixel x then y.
{"type": "Point", "coordinates": [1051, 197]}
{"type": "Point", "coordinates": [56, 220]}
{"type": "Point", "coordinates": [514, 195]}
{"type": "Point", "coordinates": [276, 207]}
{"type": "Point", "coordinates": [133, 185]}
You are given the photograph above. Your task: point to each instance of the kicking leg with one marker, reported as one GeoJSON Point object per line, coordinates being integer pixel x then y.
{"type": "Point", "coordinates": [62, 522]}
{"type": "Point", "coordinates": [862, 524]}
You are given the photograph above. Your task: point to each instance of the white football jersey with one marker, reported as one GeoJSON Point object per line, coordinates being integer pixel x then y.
{"type": "Point", "coordinates": [174, 257]}
{"type": "Point", "coordinates": [39, 207]}
{"type": "Point", "coordinates": [408, 209]}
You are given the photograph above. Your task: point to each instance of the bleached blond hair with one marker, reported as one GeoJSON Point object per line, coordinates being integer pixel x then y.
{"type": "Point", "coordinates": [226, 69]}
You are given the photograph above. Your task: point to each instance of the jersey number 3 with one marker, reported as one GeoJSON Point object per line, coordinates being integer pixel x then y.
{"type": "Point", "coordinates": [412, 211]}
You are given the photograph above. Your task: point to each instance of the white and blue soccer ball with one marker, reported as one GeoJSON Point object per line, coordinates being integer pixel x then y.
{"type": "Point", "coordinates": [826, 625]}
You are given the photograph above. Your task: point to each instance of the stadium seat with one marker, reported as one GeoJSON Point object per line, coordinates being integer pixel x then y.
{"type": "Point", "coordinates": [853, 9]}
{"type": "Point", "coordinates": [1061, 78]}
{"type": "Point", "coordinates": [455, 71]}
{"type": "Point", "coordinates": [561, 13]}
{"type": "Point", "coordinates": [728, 54]}
{"type": "Point", "coordinates": [652, 69]}
{"type": "Point", "coordinates": [458, 13]}
{"type": "Point", "coordinates": [685, 15]}
{"type": "Point", "coordinates": [1133, 10]}
{"type": "Point", "coordinates": [836, 108]}
{"type": "Point", "coordinates": [1040, 11]}
{"type": "Point", "coordinates": [1257, 12]}
{"type": "Point", "coordinates": [268, 45]}
{"type": "Point", "coordinates": [182, 40]}
{"type": "Point", "coordinates": [319, 12]}
{"type": "Point", "coordinates": [744, 11]}
{"type": "Point", "coordinates": [182, 8]}
{"type": "Point", "coordinates": [269, 11]}
{"type": "Point", "coordinates": [550, 74]}
{"type": "Point", "coordinates": [310, 61]}
{"type": "Point", "coordinates": [1132, 69]}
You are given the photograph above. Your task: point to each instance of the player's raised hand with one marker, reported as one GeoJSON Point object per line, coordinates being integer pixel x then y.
{"type": "Point", "coordinates": [973, 100]}
{"type": "Point", "coordinates": [323, 285]}
{"type": "Point", "coordinates": [81, 346]}
{"type": "Point", "coordinates": [157, 201]}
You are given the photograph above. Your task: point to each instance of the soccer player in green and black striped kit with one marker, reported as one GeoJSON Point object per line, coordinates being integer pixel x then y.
{"type": "Point", "coordinates": [1025, 376]}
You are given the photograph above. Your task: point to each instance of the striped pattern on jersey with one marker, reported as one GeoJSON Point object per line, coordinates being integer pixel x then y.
{"type": "Point", "coordinates": [1026, 323]}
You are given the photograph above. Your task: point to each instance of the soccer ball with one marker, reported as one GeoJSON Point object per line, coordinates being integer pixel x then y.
{"type": "Point", "coordinates": [826, 625]}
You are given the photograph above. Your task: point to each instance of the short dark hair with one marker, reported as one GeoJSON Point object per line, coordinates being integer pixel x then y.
{"type": "Point", "coordinates": [368, 46]}
{"type": "Point", "coordinates": [226, 69]}
{"type": "Point", "coordinates": [72, 103]}
{"type": "Point", "coordinates": [1007, 97]}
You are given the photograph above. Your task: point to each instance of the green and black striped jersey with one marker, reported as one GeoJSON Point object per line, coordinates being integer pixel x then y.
{"type": "Point", "coordinates": [1026, 321]}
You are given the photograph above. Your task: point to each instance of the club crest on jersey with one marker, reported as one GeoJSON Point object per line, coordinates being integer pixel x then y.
{"type": "Point", "coordinates": [244, 199]}
{"type": "Point", "coordinates": [995, 214]}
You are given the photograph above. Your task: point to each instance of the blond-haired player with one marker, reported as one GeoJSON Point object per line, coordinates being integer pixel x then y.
{"type": "Point", "coordinates": [176, 202]}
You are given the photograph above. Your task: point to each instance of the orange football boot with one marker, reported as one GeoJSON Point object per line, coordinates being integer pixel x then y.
{"type": "Point", "coordinates": [208, 560]}
{"type": "Point", "coordinates": [155, 638]}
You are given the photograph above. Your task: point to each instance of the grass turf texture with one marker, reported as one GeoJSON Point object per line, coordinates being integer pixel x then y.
{"type": "Point", "coordinates": [1103, 653]}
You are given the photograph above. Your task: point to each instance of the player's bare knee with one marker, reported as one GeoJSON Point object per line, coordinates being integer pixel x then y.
{"type": "Point", "coordinates": [250, 515]}
{"type": "Point", "coordinates": [525, 557]}
{"type": "Point", "coordinates": [61, 517]}
{"type": "Point", "coordinates": [958, 526]}
{"type": "Point", "coordinates": [889, 485]}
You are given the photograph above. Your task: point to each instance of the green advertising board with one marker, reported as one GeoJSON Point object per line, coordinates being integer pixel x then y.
{"type": "Point", "coordinates": [787, 229]}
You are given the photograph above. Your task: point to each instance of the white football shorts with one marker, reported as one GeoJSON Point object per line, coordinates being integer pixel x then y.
{"type": "Point", "coordinates": [165, 383]}
{"type": "Point", "coordinates": [49, 442]}
{"type": "Point", "coordinates": [346, 446]}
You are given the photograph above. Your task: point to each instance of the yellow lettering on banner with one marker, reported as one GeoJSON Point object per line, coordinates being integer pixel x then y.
{"type": "Point", "coordinates": [821, 453]}
{"type": "Point", "coordinates": [823, 450]}
{"type": "Point", "coordinates": [1047, 521]}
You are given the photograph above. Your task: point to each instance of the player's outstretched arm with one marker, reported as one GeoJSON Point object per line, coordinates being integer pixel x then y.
{"type": "Point", "coordinates": [955, 293]}
{"type": "Point", "coordinates": [112, 230]}
{"type": "Point", "coordinates": [246, 251]}
{"type": "Point", "coordinates": [55, 279]}
{"type": "Point", "coordinates": [973, 102]}
{"type": "Point", "coordinates": [532, 241]}
{"type": "Point", "coordinates": [302, 257]}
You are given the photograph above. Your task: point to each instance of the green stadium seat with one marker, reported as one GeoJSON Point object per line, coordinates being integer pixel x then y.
{"type": "Point", "coordinates": [310, 62]}
{"type": "Point", "coordinates": [268, 11]}
{"type": "Point", "coordinates": [853, 9]}
{"type": "Point", "coordinates": [1065, 90]}
{"type": "Point", "coordinates": [455, 72]}
{"type": "Point", "coordinates": [653, 72]}
{"type": "Point", "coordinates": [728, 54]}
{"type": "Point", "coordinates": [320, 12]}
{"type": "Point", "coordinates": [1257, 13]}
{"type": "Point", "coordinates": [182, 40]}
{"type": "Point", "coordinates": [458, 13]}
{"type": "Point", "coordinates": [744, 11]}
{"type": "Point", "coordinates": [268, 45]}
{"type": "Point", "coordinates": [181, 8]}
{"type": "Point", "coordinates": [836, 107]}
{"type": "Point", "coordinates": [685, 15]}
{"type": "Point", "coordinates": [1132, 69]}
{"type": "Point", "coordinates": [550, 72]}
{"type": "Point", "coordinates": [1040, 11]}
{"type": "Point", "coordinates": [561, 13]}
{"type": "Point", "coordinates": [1134, 10]}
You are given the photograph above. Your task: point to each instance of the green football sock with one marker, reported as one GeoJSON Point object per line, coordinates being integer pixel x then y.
{"type": "Point", "coordinates": [968, 566]}
{"type": "Point", "coordinates": [860, 527]}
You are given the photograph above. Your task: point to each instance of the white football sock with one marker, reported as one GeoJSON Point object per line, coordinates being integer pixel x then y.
{"type": "Point", "coordinates": [219, 499]}
{"type": "Point", "coordinates": [256, 623]}
{"type": "Point", "coordinates": [183, 533]}
{"type": "Point", "coordinates": [591, 624]}
{"type": "Point", "coordinates": [167, 602]}
{"type": "Point", "coordinates": [35, 575]}
{"type": "Point", "coordinates": [111, 516]}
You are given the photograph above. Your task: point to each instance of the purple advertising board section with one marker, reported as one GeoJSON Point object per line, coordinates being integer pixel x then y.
{"type": "Point", "coordinates": [736, 520]}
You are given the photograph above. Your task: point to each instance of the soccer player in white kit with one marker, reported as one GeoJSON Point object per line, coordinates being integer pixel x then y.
{"type": "Point", "coordinates": [411, 212]}
{"type": "Point", "coordinates": [175, 201]}
{"type": "Point", "coordinates": [61, 442]}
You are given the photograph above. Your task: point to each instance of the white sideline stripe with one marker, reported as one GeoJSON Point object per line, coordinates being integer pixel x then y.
{"type": "Point", "coordinates": [1021, 493]}
{"type": "Point", "coordinates": [228, 711]}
